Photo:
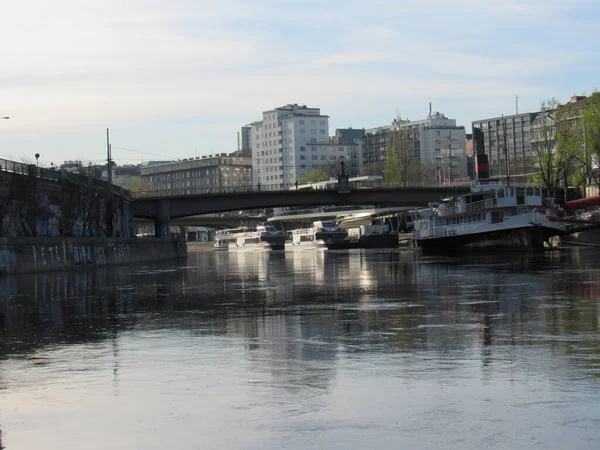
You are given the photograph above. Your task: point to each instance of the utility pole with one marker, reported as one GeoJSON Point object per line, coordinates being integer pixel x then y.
{"type": "Point", "coordinates": [108, 157]}
{"type": "Point", "coordinates": [506, 153]}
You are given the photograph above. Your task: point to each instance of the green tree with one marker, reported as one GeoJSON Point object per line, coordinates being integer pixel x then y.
{"type": "Point", "coordinates": [569, 154]}
{"type": "Point", "coordinates": [591, 137]}
{"type": "Point", "coordinates": [313, 176]}
{"type": "Point", "coordinates": [137, 184]}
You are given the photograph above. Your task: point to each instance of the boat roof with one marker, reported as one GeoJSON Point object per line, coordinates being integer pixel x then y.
{"type": "Point", "coordinates": [340, 215]}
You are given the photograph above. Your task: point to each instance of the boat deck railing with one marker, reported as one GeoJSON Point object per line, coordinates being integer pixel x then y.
{"type": "Point", "coordinates": [303, 231]}
{"type": "Point", "coordinates": [451, 230]}
{"type": "Point", "coordinates": [474, 206]}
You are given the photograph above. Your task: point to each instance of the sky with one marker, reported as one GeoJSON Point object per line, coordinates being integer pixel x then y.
{"type": "Point", "coordinates": [176, 79]}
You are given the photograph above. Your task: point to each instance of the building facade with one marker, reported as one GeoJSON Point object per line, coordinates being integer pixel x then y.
{"type": "Point", "coordinates": [436, 143]}
{"type": "Point", "coordinates": [351, 140]}
{"type": "Point", "coordinates": [243, 138]}
{"type": "Point", "coordinates": [196, 175]}
{"type": "Point", "coordinates": [506, 135]}
{"type": "Point", "coordinates": [286, 142]}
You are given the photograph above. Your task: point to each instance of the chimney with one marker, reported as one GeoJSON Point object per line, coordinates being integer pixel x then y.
{"type": "Point", "coordinates": [482, 168]}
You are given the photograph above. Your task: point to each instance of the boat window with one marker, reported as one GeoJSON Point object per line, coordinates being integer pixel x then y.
{"type": "Point", "coordinates": [500, 193]}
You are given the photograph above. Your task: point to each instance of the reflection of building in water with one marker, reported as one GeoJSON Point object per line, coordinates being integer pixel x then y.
{"type": "Point", "coordinates": [489, 294]}
{"type": "Point", "coordinates": [297, 356]}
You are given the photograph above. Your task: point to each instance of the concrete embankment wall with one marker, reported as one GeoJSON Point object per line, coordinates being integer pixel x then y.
{"type": "Point", "coordinates": [46, 254]}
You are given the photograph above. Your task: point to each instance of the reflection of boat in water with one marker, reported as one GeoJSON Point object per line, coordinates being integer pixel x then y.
{"type": "Point", "coordinates": [264, 237]}
{"type": "Point", "coordinates": [320, 234]}
{"type": "Point", "coordinates": [491, 215]}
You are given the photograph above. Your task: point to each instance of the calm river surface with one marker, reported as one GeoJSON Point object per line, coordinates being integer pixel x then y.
{"type": "Point", "coordinates": [304, 350]}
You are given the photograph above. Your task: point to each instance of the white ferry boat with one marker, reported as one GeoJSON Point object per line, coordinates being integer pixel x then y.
{"type": "Point", "coordinates": [263, 237]}
{"type": "Point", "coordinates": [491, 215]}
{"type": "Point", "coordinates": [319, 234]}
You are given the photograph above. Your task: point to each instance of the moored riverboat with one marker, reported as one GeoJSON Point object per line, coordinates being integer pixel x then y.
{"type": "Point", "coordinates": [320, 234]}
{"type": "Point", "coordinates": [263, 237]}
{"type": "Point", "coordinates": [490, 216]}
{"type": "Point", "coordinates": [374, 235]}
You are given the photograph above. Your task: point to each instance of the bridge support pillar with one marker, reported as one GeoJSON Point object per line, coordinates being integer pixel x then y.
{"type": "Point", "coordinates": [161, 221]}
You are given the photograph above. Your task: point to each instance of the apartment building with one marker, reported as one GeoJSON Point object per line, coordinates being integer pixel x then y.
{"type": "Point", "coordinates": [243, 138]}
{"type": "Point", "coordinates": [436, 142]}
{"type": "Point", "coordinates": [286, 142]}
{"type": "Point", "coordinates": [220, 172]}
{"type": "Point", "coordinates": [510, 135]}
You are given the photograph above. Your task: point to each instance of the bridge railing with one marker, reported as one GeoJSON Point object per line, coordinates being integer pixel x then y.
{"type": "Point", "coordinates": [59, 175]}
{"type": "Point", "coordinates": [332, 186]}
{"type": "Point", "coordinates": [282, 188]}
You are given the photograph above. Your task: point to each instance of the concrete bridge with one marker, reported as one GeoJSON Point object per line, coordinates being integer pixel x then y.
{"type": "Point", "coordinates": [215, 221]}
{"type": "Point", "coordinates": [162, 208]}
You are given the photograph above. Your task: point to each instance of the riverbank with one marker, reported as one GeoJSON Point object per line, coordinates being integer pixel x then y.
{"type": "Point", "coordinates": [200, 246]}
{"type": "Point", "coordinates": [24, 255]}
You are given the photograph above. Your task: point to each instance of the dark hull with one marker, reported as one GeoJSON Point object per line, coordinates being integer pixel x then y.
{"type": "Point", "coordinates": [274, 242]}
{"type": "Point", "coordinates": [331, 236]}
{"type": "Point", "coordinates": [531, 238]}
{"type": "Point", "coordinates": [374, 241]}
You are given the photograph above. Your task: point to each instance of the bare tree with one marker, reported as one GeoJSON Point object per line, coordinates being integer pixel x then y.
{"type": "Point", "coordinates": [401, 165]}
{"type": "Point", "coordinates": [544, 144]}
{"type": "Point", "coordinates": [80, 206]}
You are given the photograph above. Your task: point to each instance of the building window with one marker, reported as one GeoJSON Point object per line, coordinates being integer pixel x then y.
{"type": "Point", "coordinates": [302, 149]}
{"type": "Point", "coordinates": [322, 131]}
{"type": "Point", "coordinates": [315, 157]}
{"type": "Point", "coordinates": [301, 122]}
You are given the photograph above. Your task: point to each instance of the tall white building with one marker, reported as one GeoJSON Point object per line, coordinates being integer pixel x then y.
{"type": "Point", "coordinates": [286, 142]}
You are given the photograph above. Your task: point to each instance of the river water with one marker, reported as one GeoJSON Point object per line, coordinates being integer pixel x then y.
{"type": "Point", "coordinates": [306, 349]}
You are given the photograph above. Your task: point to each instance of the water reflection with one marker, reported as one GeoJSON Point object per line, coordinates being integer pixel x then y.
{"type": "Point", "coordinates": [284, 331]}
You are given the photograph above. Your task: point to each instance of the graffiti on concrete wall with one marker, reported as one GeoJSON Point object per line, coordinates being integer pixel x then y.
{"type": "Point", "coordinates": [8, 259]}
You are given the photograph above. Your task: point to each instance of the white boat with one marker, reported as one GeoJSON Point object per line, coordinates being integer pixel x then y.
{"type": "Point", "coordinates": [263, 237]}
{"type": "Point", "coordinates": [318, 235]}
{"type": "Point", "coordinates": [491, 215]}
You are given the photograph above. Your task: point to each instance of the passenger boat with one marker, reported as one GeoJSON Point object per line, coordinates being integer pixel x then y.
{"type": "Point", "coordinates": [491, 215]}
{"type": "Point", "coordinates": [373, 235]}
{"type": "Point", "coordinates": [263, 237]}
{"type": "Point", "coordinates": [320, 234]}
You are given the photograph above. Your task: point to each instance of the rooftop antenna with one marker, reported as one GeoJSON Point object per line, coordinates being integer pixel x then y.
{"type": "Point", "coordinates": [517, 103]}
{"type": "Point", "coordinates": [429, 108]}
